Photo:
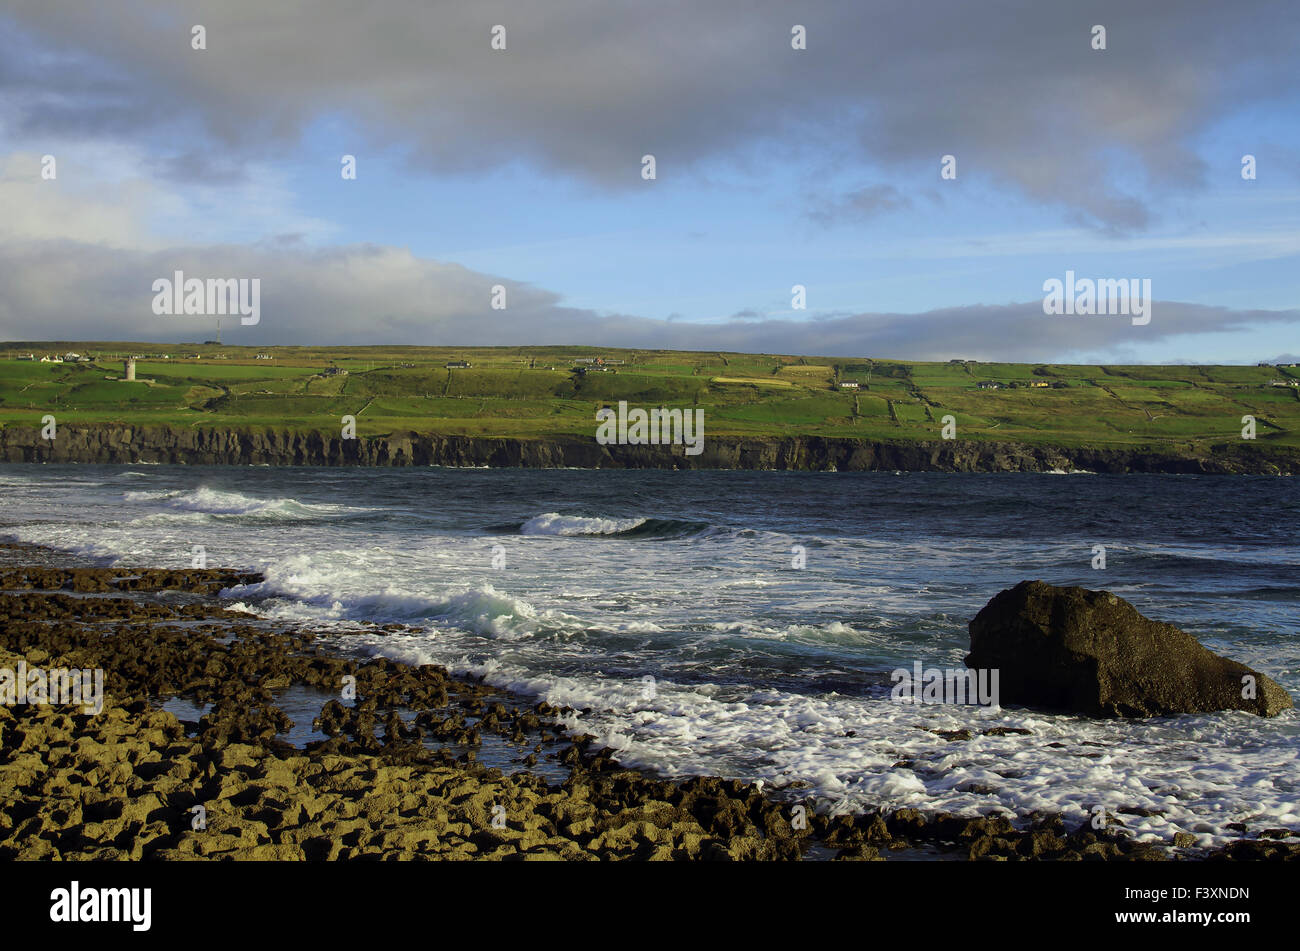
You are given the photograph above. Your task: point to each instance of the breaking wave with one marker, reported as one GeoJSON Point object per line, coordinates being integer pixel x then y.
{"type": "Point", "coordinates": [216, 503]}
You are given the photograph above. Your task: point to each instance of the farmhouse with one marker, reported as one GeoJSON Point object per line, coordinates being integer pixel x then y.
{"type": "Point", "coordinates": [848, 384]}
{"type": "Point", "coordinates": [458, 365]}
{"type": "Point", "coordinates": [988, 385]}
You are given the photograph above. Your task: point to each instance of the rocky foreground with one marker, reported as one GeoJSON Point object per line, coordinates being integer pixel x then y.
{"type": "Point", "coordinates": [397, 776]}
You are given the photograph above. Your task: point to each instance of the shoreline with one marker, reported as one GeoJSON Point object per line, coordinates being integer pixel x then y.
{"type": "Point", "coordinates": [130, 444]}
{"type": "Point", "coordinates": [403, 772]}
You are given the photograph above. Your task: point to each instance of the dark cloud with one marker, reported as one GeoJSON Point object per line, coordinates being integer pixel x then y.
{"type": "Point", "coordinates": [1012, 89]}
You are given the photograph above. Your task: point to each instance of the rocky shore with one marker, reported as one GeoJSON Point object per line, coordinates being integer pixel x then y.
{"type": "Point", "coordinates": [283, 447]}
{"type": "Point", "coordinates": [396, 774]}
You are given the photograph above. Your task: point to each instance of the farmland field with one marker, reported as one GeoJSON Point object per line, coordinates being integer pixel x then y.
{"type": "Point", "coordinates": [521, 391]}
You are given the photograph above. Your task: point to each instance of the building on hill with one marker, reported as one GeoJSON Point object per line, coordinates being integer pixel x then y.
{"type": "Point", "coordinates": [457, 365]}
{"type": "Point", "coordinates": [988, 385]}
{"type": "Point", "coordinates": [849, 384]}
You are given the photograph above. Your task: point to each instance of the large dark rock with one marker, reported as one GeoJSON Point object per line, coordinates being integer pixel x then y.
{"type": "Point", "coordinates": [1091, 652]}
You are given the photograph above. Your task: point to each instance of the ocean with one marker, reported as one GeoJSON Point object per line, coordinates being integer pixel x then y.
{"type": "Point", "coordinates": [746, 624]}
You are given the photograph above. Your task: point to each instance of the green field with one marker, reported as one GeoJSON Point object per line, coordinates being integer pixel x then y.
{"type": "Point", "coordinates": [536, 391]}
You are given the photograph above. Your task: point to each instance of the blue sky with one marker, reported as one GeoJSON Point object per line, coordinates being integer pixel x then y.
{"type": "Point", "coordinates": [775, 167]}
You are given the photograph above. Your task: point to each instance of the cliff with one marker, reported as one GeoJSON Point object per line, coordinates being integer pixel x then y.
{"type": "Point", "coordinates": [279, 447]}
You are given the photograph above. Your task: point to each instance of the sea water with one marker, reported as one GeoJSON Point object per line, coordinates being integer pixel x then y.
{"type": "Point", "coordinates": [745, 624]}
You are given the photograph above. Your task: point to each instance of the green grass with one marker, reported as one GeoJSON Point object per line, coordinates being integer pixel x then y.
{"type": "Point", "coordinates": [510, 391]}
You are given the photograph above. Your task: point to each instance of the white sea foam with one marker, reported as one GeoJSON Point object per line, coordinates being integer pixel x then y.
{"type": "Point", "coordinates": [553, 523]}
{"type": "Point", "coordinates": [860, 753]}
{"type": "Point", "coordinates": [205, 501]}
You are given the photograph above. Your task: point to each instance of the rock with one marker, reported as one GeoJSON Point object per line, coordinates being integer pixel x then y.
{"type": "Point", "coordinates": [116, 443]}
{"type": "Point", "coordinates": [1091, 652]}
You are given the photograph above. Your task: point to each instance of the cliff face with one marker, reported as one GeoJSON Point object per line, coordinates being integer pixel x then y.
{"type": "Point", "coordinates": [129, 444]}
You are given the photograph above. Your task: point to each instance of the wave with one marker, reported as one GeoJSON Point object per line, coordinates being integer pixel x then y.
{"type": "Point", "coordinates": [219, 504]}
{"type": "Point", "coordinates": [553, 523]}
{"type": "Point", "coordinates": [333, 594]}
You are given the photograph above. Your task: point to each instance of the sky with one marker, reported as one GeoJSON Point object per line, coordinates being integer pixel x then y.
{"type": "Point", "coordinates": [773, 167]}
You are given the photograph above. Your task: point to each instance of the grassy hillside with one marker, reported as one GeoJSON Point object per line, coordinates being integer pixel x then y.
{"type": "Point", "coordinates": [533, 391]}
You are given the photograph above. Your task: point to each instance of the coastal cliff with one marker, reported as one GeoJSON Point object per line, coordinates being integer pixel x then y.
{"type": "Point", "coordinates": [282, 447]}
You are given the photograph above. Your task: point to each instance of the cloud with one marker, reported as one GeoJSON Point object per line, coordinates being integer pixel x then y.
{"type": "Point", "coordinates": [370, 294]}
{"type": "Point", "coordinates": [1012, 89]}
{"type": "Point", "coordinates": [860, 205]}
{"type": "Point", "coordinates": [172, 158]}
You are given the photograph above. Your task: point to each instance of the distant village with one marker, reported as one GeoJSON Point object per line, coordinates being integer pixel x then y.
{"type": "Point", "coordinates": [580, 366]}
{"type": "Point", "coordinates": [89, 358]}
